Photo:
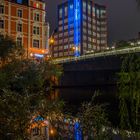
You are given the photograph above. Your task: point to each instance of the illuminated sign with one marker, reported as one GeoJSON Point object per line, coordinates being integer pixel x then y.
{"type": "Point", "coordinates": [39, 55]}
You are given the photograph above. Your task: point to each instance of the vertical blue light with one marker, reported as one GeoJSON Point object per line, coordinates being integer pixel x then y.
{"type": "Point", "coordinates": [74, 17]}
{"type": "Point", "coordinates": [77, 20]}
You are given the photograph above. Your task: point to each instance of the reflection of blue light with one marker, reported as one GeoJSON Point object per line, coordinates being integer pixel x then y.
{"type": "Point", "coordinates": [77, 131]}
{"type": "Point", "coordinates": [39, 55]}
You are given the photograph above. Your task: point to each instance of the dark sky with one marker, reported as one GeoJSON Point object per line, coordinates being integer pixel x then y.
{"type": "Point", "coordinates": [123, 17]}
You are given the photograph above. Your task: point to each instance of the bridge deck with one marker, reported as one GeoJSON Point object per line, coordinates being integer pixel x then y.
{"type": "Point", "coordinates": [100, 54]}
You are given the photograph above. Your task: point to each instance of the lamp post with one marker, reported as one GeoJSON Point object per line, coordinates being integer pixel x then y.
{"type": "Point", "coordinates": [51, 42]}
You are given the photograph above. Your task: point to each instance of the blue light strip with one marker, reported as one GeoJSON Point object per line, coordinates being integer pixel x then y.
{"type": "Point", "coordinates": [74, 17]}
{"type": "Point", "coordinates": [39, 55]}
{"type": "Point", "coordinates": [77, 18]}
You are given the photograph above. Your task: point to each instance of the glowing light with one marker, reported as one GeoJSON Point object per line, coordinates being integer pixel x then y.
{"type": "Point", "coordinates": [39, 55]}
{"type": "Point", "coordinates": [51, 131]}
{"type": "Point", "coordinates": [43, 51]}
{"type": "Point", "coordinates": [31, 54]}
{"type": "Point", "coordinates": [51, 41]}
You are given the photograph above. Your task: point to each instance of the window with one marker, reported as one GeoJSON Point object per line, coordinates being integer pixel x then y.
{"type": "Point", "coordinates": [66, 47]}
{"type": "Point", "coordinates": [19, 41]}
{"type": "Point", "coordinates": [1, 24]}
{"type": "Point", "coordinates": [36, 17]}
{"type": "Point", "coordinates": [65, 41]}
{"type": "Point", "coordinates": [89, 9]}
{"type": "Point", "coordinates": [60, 22]}
{"type": "Point", "coordinates": [1, 9]}
{"type": "Point", "coordinates": [36, 43]}
{"type": "Point", "coordinates": [65, 27]}
{"type": "Point", "coordinates": [84, 6]}
{"type": "Point", "coordinates": [60, 28]}
{"type": "Point", "coordinates": [84, 17]}
{"type": "Point", "coordinates": [66, 11]}
{"type": "Point", "coordinates": [19, 27]}
{"type": "Point", "coordinates": [61, 35]}
{"type": "Point", "coordinates": [19, 1]}
{"type": "Point", "coordinates": [36, 30]}
{"type": "Point", "coordinates": [60, 12]}
{"type": "Point", "coordinates": [19, 13]}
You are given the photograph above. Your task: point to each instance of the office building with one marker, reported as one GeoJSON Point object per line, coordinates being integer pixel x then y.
{"type": "Point", "coordinates": [81, 29]}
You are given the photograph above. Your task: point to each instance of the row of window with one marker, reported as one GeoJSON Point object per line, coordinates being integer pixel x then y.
{"type": "Point", "coordinates": [36, 29]}
{"type": "Point", "coordinates": [20, 13]}
{"type": "Point", "coordinates": [35, 42]}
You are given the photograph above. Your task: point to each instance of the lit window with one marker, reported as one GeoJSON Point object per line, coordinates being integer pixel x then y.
{"type": "Point", "coordinates": [36, 17]}
{"type": "Point", "coordinates": [19, 41]}
{"type": "Point", "coordinates": [1, 9]}
{"type": "Point", "coordinates": [71, 6]}
{"type": "Point", "coordinates": [66, 11]}
{"type": "Point", "coordinates": [84, 6]}
{"type": "Point", "coordinates": [89, 9]}
{"type": "Point", "coordinates": [84, 17]}
{"type": "Point", "coordinates": [66, 47]}
{"type": "Point", "coordinates": [36, 43]}
{"type": "Point", "coordinates": [19, 13]}
{"type": "Point", "coordinates": [60, 12]}
{"type": "Point", "coordinates": [36, 5]}
{"type": "Point", "coordinates": [1, 24]}
{"type": "Point", "coordinates": [19, 27]}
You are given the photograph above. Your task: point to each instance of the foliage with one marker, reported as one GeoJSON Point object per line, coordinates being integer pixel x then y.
{"type": "Point", "coordinates": [25, 86]}
{"type": "Point", "coordinates": [93, 120]}
{"type": "Point", "coordinates": [129, 95]}
{"type": "Point", "coordinates": [9, 50]}
{"type": "Point", "coordinates": [122, 43]}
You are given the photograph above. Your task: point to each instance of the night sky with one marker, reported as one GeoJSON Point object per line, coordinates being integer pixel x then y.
{"type": "Point", "coordinates": [123, 17]}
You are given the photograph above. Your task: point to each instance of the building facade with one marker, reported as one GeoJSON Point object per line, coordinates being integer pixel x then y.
{"type": "Point", "coordinates": [82, 28]}
{"type": "Point", "coordinates": [24, 21]}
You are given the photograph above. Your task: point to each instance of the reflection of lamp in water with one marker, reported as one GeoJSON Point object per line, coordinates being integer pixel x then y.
{"type": "Point", "coordinates": [51, 131]}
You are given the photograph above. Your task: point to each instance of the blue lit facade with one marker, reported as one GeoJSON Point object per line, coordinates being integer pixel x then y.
{"type": "Point", "coordinates": [82, 28]}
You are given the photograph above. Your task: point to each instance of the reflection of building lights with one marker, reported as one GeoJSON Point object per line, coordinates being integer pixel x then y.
{"type": "Point", "coordinates": [51, 131]}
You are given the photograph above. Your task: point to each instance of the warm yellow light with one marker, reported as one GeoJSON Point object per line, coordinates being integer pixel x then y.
{"type": "Point", "coordinates": [31, 54]}
{"type": "Point", "coordinates": [51, 40]}
{"type": "Point", "coordinates": [43, 51]}
{"type": "Point", "coordinates": [51, 131]}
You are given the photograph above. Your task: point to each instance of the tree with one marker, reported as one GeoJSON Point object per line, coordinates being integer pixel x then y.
{"type": "Point", "coordinates": [93, 119]}
{"type": "Point", "coordinates": [9, 49]}
{"type": "Point", "coordinates": [24, 89]}
{"type": "Point", "coordinates": [129, 95]}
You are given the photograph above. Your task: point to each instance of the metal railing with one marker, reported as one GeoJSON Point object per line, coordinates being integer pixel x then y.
{"type": "Point", "coordinates": [99, 54]}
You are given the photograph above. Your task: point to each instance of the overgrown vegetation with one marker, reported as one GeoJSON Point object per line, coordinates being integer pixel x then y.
{"type": "Point", "coordinates": [129, 96]}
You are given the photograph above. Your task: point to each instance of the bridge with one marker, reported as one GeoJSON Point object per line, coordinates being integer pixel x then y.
{"type": "Point", "coordinates": [99, 54]}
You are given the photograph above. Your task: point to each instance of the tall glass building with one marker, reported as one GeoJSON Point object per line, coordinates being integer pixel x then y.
{"type": "Point", "coordinates": [82, 28]}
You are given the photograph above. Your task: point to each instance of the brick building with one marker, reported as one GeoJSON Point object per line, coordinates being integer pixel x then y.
{"type": "Point", "coordinates": [24, 21]}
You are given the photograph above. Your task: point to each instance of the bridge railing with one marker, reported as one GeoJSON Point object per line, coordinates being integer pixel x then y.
{"type": "Point", "coordinates": [99, 54]}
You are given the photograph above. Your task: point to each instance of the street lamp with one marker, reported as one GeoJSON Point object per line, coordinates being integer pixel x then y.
{"type": "Point", "coordinates": [51, 42]}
